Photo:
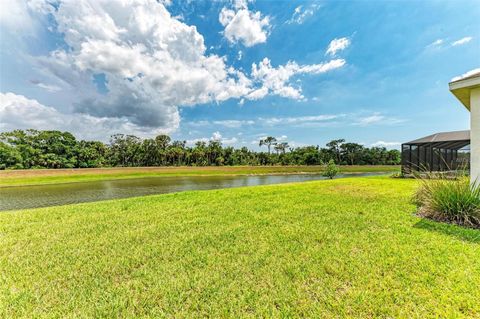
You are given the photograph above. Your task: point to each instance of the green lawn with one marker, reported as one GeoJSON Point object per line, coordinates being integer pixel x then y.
{"type": "Point", "coordinates": [331, 249]}
{"type": "Point", "coordinates": [56, 176]}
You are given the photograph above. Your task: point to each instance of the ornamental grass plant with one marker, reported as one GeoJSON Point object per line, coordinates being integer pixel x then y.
{"type": "Point", "coordinates": [449, 200]}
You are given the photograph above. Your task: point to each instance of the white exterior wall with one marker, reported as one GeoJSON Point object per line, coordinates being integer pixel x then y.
{"type": "Point", "coordinates": [475, 134]}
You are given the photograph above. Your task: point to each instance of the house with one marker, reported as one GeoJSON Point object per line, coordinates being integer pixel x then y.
{"type": "Point", "coordinates": [467, 90]}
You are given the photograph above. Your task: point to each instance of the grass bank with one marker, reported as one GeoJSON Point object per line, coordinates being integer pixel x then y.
{"type": "Point", "coordinates": [54, 176]}
{"type": "Point", "coordinates": [331, 249]}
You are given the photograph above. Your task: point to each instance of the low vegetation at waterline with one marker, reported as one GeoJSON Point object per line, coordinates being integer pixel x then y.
{"type": "Point", "coordinates": [450, 200]}
{"type": "Point", "coordinates": [54, 149]}
{"type": "Point", "coordinates": [50, 176]}
{"type": "Point", "coordinates": [331, 170]}
{"type": "Point", "coordinates": [331, 249]}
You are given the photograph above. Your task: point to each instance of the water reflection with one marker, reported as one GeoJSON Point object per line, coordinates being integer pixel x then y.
{"type": "Point", "coordinates": [61, 194]}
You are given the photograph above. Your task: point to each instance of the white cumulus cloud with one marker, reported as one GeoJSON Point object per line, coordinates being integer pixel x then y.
{"type": "Point", "coordinates": [276, 80]}
{"type": "Point", "coordinates": [16, 15]}
{"type": "Point", "coordinates": [243, 25]}
{"type": "Point", "coordinates": [151, 64]}
{"type": "Point", "coordinates": [216, 136]}
{"type": "Point", "coordinates": [20, 112]}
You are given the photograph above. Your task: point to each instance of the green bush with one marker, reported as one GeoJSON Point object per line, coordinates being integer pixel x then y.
{"type": "Point", "coordinates": [455, 201]}
{"type": "Point", "coordinates": [398, 175]}
{"type": "Point", "coordinates": [331, 170]}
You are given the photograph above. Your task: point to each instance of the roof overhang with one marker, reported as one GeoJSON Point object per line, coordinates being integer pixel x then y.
{"type": "Point", "coordinates": [461, 88]}
{"type": "Point", "coordinates": [443, 137]}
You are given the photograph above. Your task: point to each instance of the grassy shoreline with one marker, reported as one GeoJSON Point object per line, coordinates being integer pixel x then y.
{"type": "Point", "coordinates": [57, 176]}
{"type": "Point", "coordinates": [341, 248]}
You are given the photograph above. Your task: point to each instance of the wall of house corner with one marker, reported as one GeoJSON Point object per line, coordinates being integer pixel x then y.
{"type": "Point", "coordinates": [475, 134]}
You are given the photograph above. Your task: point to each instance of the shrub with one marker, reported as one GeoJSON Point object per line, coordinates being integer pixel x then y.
{"type": "Point", "coordinates": [331, 170]}
{"type": "Point", "coordinates": [398, 175]}
{"type": "Point", "coordinates": [455, 201]}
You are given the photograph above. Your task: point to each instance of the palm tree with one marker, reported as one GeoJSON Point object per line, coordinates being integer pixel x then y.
{"type": "Point", "coordinates": [162, 142]}
{"type": "Point", "coordinates": [214, 149]}
{"type": "Point", "coordinates": [268, 141]}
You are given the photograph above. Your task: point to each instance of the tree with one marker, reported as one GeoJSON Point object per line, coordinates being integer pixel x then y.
{"type": "Point", "coordinates": [331, 170]}
{"type": "Point", "coordinates": [10, 157]}
{"type": "Point", "coordinates": [281, 147]}
{"type": "Point", "coordinates": [199, 153]}
{"type": "Point", "coordinates": [91, 154]}
{"type": "Point", "coordinates": [162, 142]}
{"type": "Point", "coordinates": [268, 141]}
{"type": "Point", "coordinates": [334, 148]}
{"type": "Point", "coordinates": [352, 152]}
{"type": "Point", "coordinates": [214, 150]}
{"type": "Point", "coordinates": [307, 155]}
{"type": "Point", "coordinates": [148, 152]}
{"type": "Point", "coordinates": [55, 149]}
{"type": "Point", "coordinates": [125, 150]}
{"type": "Point", "coordinates": [393, 157]}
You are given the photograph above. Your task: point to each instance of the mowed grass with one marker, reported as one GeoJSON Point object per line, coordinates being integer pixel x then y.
{"type": "Point", "coordinates": [326, 249]}
{"type": "Point", "coordinates": [55, 176]}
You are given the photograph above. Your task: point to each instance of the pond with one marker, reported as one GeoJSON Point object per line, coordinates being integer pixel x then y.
{"type": "Point", "coordinates": [22, 197]}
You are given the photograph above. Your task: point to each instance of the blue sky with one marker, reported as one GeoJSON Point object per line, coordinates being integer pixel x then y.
{"type": "Point", "coordinates": [372, 72]}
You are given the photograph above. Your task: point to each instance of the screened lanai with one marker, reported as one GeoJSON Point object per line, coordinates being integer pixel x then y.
{"type": "Point", "coordinates": [445, 151]}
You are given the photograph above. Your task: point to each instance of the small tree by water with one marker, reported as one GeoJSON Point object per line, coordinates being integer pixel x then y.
{"type": "Point", "coordinates": [331, 170]}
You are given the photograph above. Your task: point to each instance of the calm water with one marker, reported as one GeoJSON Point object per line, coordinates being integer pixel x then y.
{"type": "Point", "coordinates": [60, 194]}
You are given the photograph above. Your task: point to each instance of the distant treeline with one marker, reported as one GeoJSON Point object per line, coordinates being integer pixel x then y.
{"type": "Point", "coordinates": [54, 149]}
